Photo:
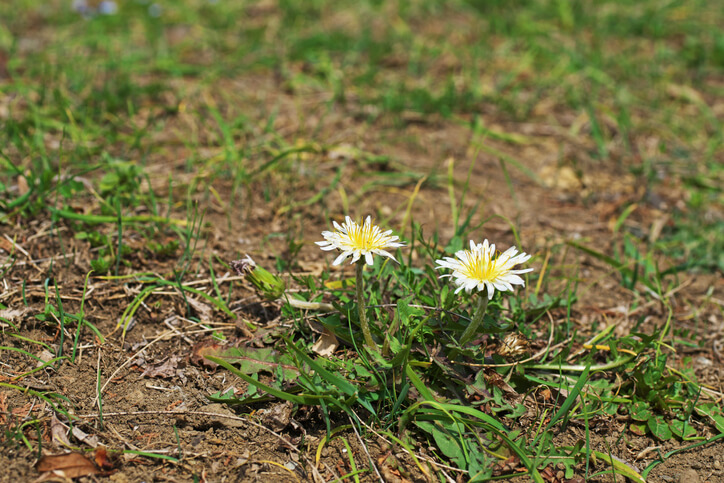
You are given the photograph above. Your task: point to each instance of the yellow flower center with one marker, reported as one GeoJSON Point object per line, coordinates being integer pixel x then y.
{"type": "Point", "coordinates": [361, 238]}
{"type": "Point", "coordinates": [480, 266]}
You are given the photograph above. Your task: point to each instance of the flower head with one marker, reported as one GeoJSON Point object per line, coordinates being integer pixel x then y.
{"type": "Point", "coordinates": [357, 240]}
{"type": "Point", "coordinates": [478, 269]}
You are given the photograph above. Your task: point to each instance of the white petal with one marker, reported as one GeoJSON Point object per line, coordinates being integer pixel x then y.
{"type": "Point", "coordinates": [525, 270]}
{"type": "Point", "coordinates": [502, 286]}
{"type": "Point", "coordinates": [341, 258]}
{"type": "Point", "coordinates": [510, 252]}
{"type": "Point", "coordinates": [385, 253]}
{"type": "Point", "coordinates": [514, 280]}
{"type": "Point", "coordinates": [368, 258]}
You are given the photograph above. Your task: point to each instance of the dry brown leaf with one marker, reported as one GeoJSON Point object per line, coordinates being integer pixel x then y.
{"type": "Point", "coordinates": [59, 431]}
{"type": "Point", "coordinates": [80, 435]}
{"type": "Point", "coordinates": [326, 344]}
{"type": "Point", "coordinates": [71, 465]}
{"type": "Point", "coordinates": [204, 311]}
{"type": "Point", "coordinates": [508, 466]}
{"type": "Point", "coordinates": [278, 416]}
{"type": "Point", "coordinates": [202, 348]}
{"type": "Point", "coordinates": [166, 368]}
{"type": "Point", "coordinates": [45, 356]}
{"type": "Point", "coordinates": [13, 315]}
{"type": "Point", "coordinates": [102, 460]}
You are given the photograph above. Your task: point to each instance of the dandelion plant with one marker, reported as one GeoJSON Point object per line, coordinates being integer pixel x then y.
{"type": "Point", "coordinates": [478, 269]}
{"type": "Point", "coordinates": [360, 240]}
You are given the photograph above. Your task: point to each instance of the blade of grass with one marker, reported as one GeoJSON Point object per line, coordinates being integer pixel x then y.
{"type": "Point", "coordinates": [297, 399]}
{"type": "Point", "coordinates": [70, 215]}
{"type": "Point", "coordinates": [610, 261]}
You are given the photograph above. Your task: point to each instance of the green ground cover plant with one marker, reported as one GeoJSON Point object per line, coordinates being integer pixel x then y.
{"type": "Point", "coordinates": [147, 148]}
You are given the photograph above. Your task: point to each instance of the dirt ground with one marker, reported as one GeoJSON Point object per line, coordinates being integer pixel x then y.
{"type": "Point", "coordinates": [155, 394]}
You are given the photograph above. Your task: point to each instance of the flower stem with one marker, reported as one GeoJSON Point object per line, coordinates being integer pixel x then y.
{"type": "Point", "coordinates": [361, 308]}
{"type": "Point", "coordinates": [477, 318]}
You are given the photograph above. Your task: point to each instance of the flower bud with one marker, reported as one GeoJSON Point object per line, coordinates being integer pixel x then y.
{"type": "Point", "coordinates": [267, 285]}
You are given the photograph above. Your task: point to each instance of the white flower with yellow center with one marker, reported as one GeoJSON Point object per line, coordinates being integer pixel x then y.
{"type": "Point", "coordinates": [357, 240]}
{"type": "Point", "coordinates": [478, 268]}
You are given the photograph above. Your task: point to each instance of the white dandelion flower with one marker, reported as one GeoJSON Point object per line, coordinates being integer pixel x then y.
{"type": "Point", "coordinates": [357, 240]}
{"type": "Point", "coordinates": [478, 268]}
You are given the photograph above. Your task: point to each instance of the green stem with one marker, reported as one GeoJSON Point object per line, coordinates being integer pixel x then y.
{"type": "Point", "coordinates": [361, 308]}
{"type": "Point", "coordinates": [580, 368]}
{"type": "Point", "coordinates": [477, 318]}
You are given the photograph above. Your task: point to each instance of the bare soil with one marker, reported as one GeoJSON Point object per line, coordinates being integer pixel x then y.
{"type": "Point", "coordinates": [156, 400]}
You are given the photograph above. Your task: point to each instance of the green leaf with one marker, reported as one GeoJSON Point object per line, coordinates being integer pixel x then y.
{"type": "Point", "coordinates": [298, 399]}
{"type": "Point", "coordinates": [640, 411]}
{"type": "Point", "coordinates": [713, 412]}
{"type": "Point", "coordinates": [638, 429]}
{"type": "Point", "coordinates": [572, 396]}
{"type": "Point", "coordinates": [343, 384]}
{"type": "Point", "coordinates": [682, 429]}
{"type": "Point", "coordinates": [621, 467]}
{"type": "Point", "coordinates": [339, 382]}
{"type": "Point", "coordinates": [448, 444]}
{"type": "Point", "coordinates": [659, 428]}
{"type": "Point", "coordinates": [417, 382]}
{"type": "Point", "coordinates": [474, 413]}
{"type": "Point", "coordinates": [251, 360]}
